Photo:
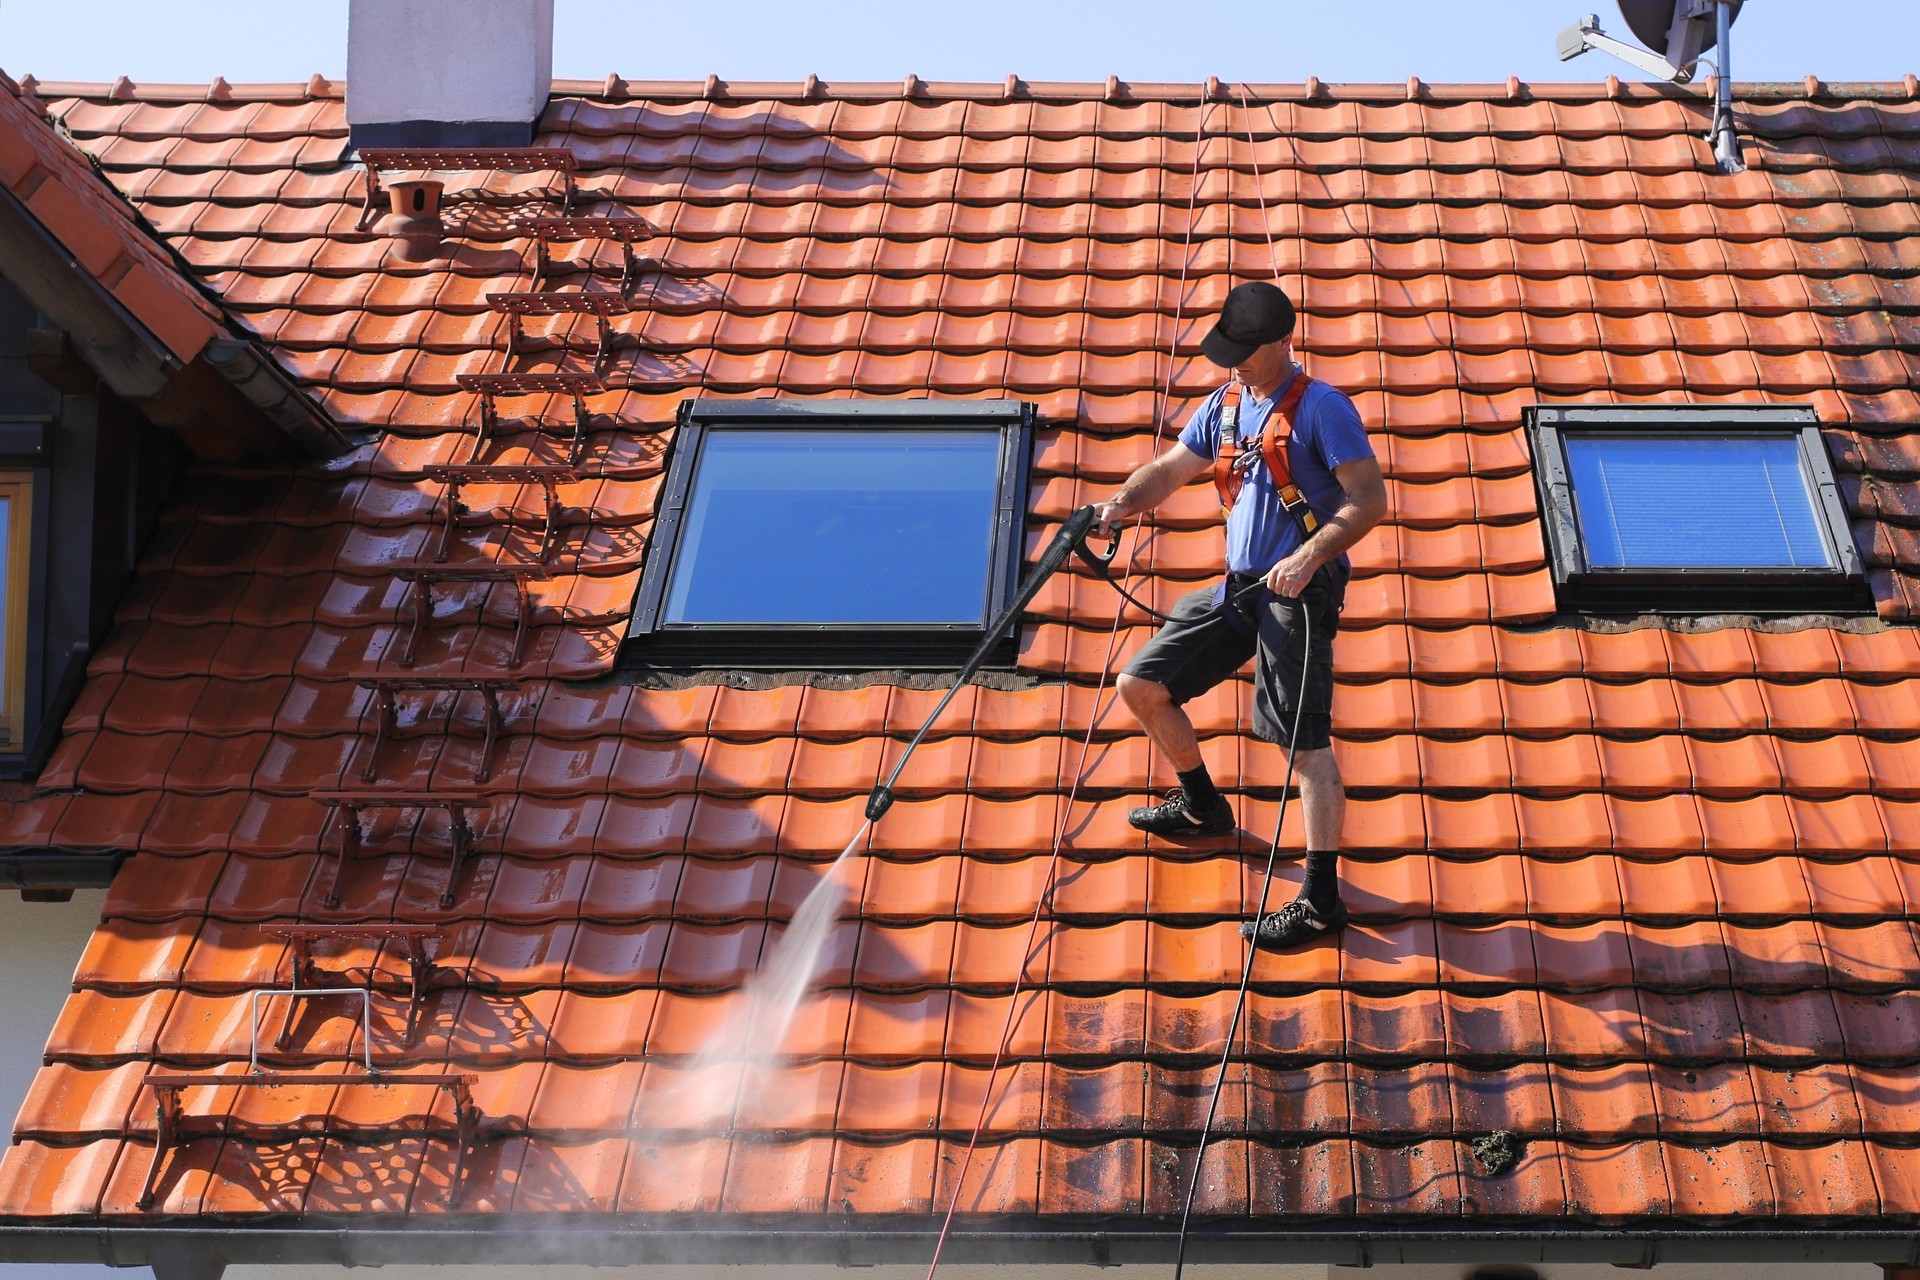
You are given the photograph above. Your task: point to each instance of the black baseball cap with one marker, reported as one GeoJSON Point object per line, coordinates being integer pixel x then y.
{"type": "Point", "coordinates": [1255, 314]}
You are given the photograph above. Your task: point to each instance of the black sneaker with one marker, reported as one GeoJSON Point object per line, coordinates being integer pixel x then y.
{"type": "Point", "coordinates": [1175, 817]}
{"type": "Point", "coordinates": [1293, 924]}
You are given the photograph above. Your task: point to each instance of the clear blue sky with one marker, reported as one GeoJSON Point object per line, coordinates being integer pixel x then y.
{"type": "Point", "coordinates": [1254, 40]}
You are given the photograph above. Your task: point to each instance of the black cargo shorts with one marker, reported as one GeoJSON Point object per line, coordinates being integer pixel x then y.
{"type": "Point", "coordinates": [1199, 649]}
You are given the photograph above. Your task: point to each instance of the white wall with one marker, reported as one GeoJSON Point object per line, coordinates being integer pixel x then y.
{"type": "Point", "coordinates": [41, 942]}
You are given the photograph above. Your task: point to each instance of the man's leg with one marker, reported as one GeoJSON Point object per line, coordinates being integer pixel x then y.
{"type": "Point", "coordinates": [1187, 657]}
{"type": "Point", "coordinates": [1323, 797]}
{"type": "Point", "coordinates": [1294, 692]}
{"type": "Point", "coordinates": [1323, 801]}
{"type": "Point", "coordinates": [1197, 808]}
{"type": "Point", "coordinates": [1166, 724]}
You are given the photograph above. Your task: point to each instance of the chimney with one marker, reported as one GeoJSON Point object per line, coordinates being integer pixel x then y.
{"type": "Point", "coordinates": [443, 74]}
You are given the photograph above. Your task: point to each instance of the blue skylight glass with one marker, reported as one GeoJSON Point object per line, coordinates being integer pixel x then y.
{"type": "Point", "coordinates": [837, 526]}
{"type": "Point", "coordinates": [1694, 501]}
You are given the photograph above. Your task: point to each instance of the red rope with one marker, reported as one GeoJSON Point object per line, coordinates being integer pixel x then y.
{"type": "Point", "coordinates": [1273, 850]}
{"type": "Point", "coordinates": [1086, 745]}
{"type": "Point", "coordinates": [1259, 186]}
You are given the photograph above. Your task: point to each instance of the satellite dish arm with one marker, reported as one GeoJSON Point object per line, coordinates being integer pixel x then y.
{"type": "Point", "coordinates": [1586, 34]}
{"type": "Point", "coordinates": [1726, 147]}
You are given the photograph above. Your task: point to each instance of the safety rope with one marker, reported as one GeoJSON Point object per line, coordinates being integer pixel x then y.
{"type": "Point", "coordinates": [1260, 190]}
{"type": "Point", "coordinates": [1044, 898]}
{"type": "Point", "coordinates": [1246, 969]}
{"type": "Point", "coordinates": [1042, 901]}
{"type": "Point", "coordinates": [1279, 825]}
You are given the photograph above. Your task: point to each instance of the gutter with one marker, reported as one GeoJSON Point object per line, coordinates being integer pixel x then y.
{"type": "Point", "coordinates": [189, 1246]}
{"type": "Point", "coordinates": [58, 871]}
{"type": "Point", "coordinates": [267, 387]}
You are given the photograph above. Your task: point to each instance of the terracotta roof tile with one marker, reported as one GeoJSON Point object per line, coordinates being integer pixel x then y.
{"type": "Point", "coordinates": [1637, 896]}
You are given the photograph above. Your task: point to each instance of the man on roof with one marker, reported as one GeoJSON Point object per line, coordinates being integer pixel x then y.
{"type": "Point", "coordinates": [1300, 485]}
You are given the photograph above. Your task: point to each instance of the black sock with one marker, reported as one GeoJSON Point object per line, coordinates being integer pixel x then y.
{"type": "Point", "coordinates": [1197, 783]}
{"type": "Point", "coordinates": [1322, 887]}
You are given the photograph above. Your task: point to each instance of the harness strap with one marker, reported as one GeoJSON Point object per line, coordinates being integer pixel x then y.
{"type": "Point", "coordinates": [1230, 597]}
{"type": "Point", "coordinates": [1229, 472]}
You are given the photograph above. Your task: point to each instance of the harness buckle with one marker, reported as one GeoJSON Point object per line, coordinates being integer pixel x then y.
{"type": "Point", "coordinates": [1235, 459]}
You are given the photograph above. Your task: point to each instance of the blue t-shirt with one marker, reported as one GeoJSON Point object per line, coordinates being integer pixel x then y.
{"type": "Point", "coordinates": [1327, 433]}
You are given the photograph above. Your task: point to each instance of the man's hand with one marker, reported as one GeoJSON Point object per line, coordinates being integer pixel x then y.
{"type": "Point", "coordinates": [1363, 503]}
{"type": "Point", "coordinates": [1290, 577]}
{"type": "Point", "coordinates": [1108, 515]}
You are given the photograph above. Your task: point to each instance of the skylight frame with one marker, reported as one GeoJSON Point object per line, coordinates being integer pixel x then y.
{"type": "Point", "coordinates": [1839, 587]}
{"type": "Point", "coordinates": [654, 642]}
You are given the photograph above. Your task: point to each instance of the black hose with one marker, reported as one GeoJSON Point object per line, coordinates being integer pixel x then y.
{"type": "Point", "coordinates": [1212, 615]}
{"type": "Point", "coordinates": [1102, 565]}
{"type": "Point", "coordinates": [1253, 950]}
{"type": "Point", "coordinates": [1072, 538]}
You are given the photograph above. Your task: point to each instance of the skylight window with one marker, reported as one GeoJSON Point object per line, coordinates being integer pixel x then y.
{"type": "Point", "coordinates": [834, 535]}
{"type": "Point", "coordinates": [1693, 510]}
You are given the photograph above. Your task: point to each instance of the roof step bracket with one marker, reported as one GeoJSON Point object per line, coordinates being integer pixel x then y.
{"type": "Point", "coordinates": [308, 977]}
{"type": "Point", "coordinates": [353, 836]}
{"type": "Point", "coordinates": [626, 232]}
{"type": "Point", "coordinates": [175, 1126]}
{"type": "Point", "coordinates": [418, 602]}
{"type": "Point", "coordinates": [386, 690]}
{"type": "Point", "coordinates": [463, 160]}
{"type": "Point", "coordinates": [599, 304]}
{"type": "Point", "coordinates": [548, 477]}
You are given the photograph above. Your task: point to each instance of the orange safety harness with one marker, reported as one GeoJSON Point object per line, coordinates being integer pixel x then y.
{"type": "Point", "coordinates": [1231, 463]}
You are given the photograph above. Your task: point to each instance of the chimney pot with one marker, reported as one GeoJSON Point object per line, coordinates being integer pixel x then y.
{"type": "Point", "coordinates": [445, 74]}
{"type": "Point", "coordinates": [415, 203]}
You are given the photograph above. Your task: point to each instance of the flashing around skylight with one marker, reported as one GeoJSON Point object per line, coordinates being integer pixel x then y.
{"type": "Point", "coordinates": [1692, 510]}
{"type": "Point", "coordinates": [841, 535]}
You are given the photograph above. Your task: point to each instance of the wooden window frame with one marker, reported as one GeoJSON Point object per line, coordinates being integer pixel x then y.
{"type": "Point", "coordinates": [17, 487]}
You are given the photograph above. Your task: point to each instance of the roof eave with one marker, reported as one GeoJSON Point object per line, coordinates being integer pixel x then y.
{"type": "Point", "coordinates": [261, 404]}
{"type": "Point", "coordinates": [116, 346]}
{"type": "Point", "coordinates": [871, 1240]}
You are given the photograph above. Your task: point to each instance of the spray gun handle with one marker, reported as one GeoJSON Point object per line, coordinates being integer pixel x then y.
{"type": "Point", "coordinates": [1100, 562]}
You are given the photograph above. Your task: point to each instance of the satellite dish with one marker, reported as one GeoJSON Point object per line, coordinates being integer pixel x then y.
{"type": "Point", "coordinates": [1677, 32]}
{"type": "Point", "coordinates": [1682, 30]}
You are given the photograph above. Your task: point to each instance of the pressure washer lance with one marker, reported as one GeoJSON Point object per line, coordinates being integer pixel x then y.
{"type": "Point", "coordinates": [1072, 534]}
{"type": "Point", "coordinates": [1070, 540]}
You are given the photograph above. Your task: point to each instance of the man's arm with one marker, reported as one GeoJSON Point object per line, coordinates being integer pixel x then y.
{"type": "Point", "coordinates": [1153, 484]}
{"type": "Point", "coordinates": [1363, 502]}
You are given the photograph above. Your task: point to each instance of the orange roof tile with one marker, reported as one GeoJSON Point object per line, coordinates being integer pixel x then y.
{"type": "Point", "coordinates": [1636, 895]}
